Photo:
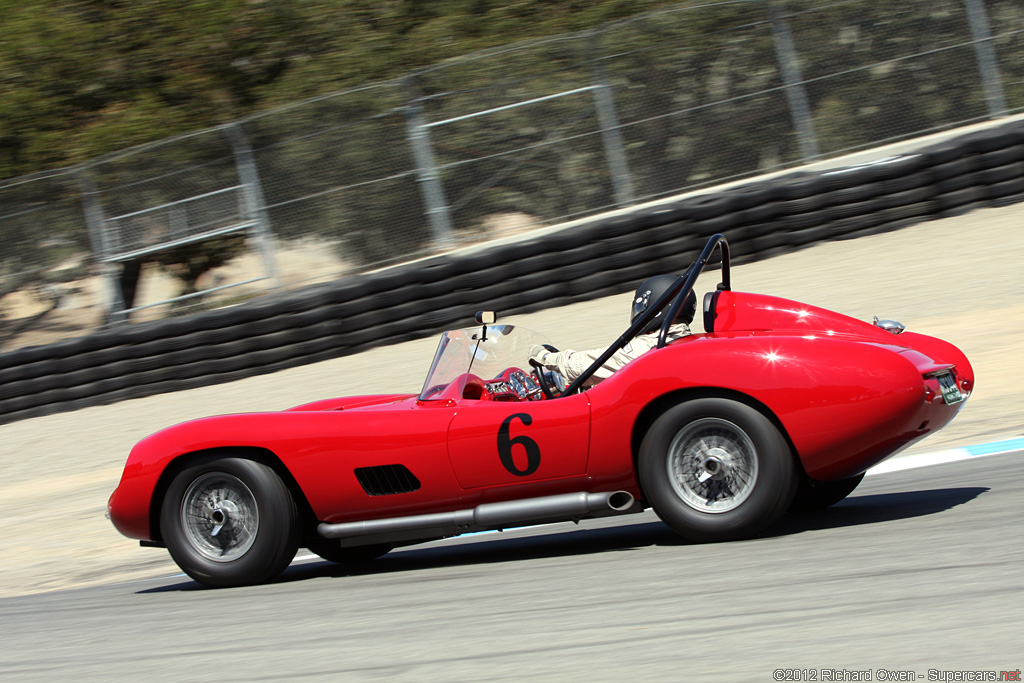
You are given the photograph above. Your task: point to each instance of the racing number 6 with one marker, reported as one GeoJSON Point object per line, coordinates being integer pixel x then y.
{"type": "Point", "coordinates": [505, 444]}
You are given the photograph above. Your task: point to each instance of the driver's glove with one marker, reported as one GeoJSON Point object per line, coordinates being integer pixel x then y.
{"type": "Point", "coordinates": [538, 353]}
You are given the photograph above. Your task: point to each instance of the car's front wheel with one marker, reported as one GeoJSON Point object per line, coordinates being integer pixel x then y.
{"type": "Point", "coordinates": [229, 521]}
{"type": "Point", "coordinates": [716, 470]}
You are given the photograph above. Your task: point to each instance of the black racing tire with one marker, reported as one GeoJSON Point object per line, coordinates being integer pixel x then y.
{"type": "Point", "coordinates": [814, 495]}
{"type": "Point", "coordinates": [750, 194]}
{"type": "Point", "coordinates": [1006, 188]}
{"type": "Point", "coordinates": [762, 243]}
{"type": "Point", "coordinates": [803, 205]}
{"type": "Point", "coordinates": [24, 356]}
{"type": "Point", "coordinates": [849, 176]}
{"type": "Point", "coordinates": [906, 182]}
{"type": "Point", "coordinates": [957, 198]}
{"type": "Point", "coordinates": [908, 197]}
{"type": "Point", "coordinates": [332, 551]}
{"type": "Point", "coordinates": [851, 227]}
{"type": "Point", "coordinates": [898, 166]}
{"type": "Point", "coordinates": [850, 209]}
{"type": "Point", "coordinates": [1008, 199]}
{"type": "Point", "coordinates": [760, 213]}
{"type": "Point", "coordinates": [715, 469]}
{"type": "Point", "coordinates": [1003, 173]}
{"type": "Point", "coordinates": [959, 182]}
{"type": "Point", "coordinates": [802, 221]}
{"type": "Point", "coordinates": [954, 167]}
{"type": "Point", "coordinates": [257, 512]}
{"type": "Point", "coordinates": [1000, 157]}
{"type": "Point", "coordinates": [852, 194]}
{"type": "Point", "coordinates": [962, 209]}
{"type": "Point", "coordinates": [799, 184]}
{"type": "Point", "coordinates": [897, 213]}
{"type": "Point", "coordinates": [941, 152]}
{"type": "Point", "coordinates": [988, 140]}
{"type": "Point", "coordinates": [816, 233]}
{"type": "Point", "coordinates": [709, 205]}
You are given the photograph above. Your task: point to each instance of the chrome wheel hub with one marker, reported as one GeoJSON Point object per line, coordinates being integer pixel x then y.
{"type": "Point", "coordinates": [219, 516]}
{"type": "Point", "coordinates": [712, 465]}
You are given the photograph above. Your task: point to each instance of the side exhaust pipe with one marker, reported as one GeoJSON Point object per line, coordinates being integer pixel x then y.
{"type": "Point", "coordinates": [562, 507]}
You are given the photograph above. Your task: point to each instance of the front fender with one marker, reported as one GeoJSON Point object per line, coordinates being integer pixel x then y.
{"type": "Point", "coordinates": [320, 449]}
{"type": "Point", "coordinates": [130, 504]}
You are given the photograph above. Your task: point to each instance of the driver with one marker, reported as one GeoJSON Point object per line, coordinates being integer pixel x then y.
{"type": "Point", "coordinates": [571, 364]}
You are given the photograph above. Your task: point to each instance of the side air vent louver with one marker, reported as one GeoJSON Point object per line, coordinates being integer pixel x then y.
{"type": "Point", "coordinates": [386, 480]}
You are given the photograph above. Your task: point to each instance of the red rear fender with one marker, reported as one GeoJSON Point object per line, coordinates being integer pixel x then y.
{"type": "Point", "coordinates": [942, 352]}
{"type": "Point", "coordinates": [745, 312]}
{"type": "Point", "coordinates": [836, 399]}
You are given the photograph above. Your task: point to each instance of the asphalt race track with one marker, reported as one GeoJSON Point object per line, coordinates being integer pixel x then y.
{"type": "Point", "coordinates": [919, 570]}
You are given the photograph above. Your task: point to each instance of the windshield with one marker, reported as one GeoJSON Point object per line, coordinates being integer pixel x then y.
{"type": "Point", "coordinates": [485, 356]}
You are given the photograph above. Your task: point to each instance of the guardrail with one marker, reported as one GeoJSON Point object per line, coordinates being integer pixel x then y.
{"type": "Point", "coordinates": [586, 260]}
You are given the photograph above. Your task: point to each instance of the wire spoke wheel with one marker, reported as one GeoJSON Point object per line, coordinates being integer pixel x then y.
{"type": "Point", "coordinates": [219, 516]}
{"type": "Point", "coordinates": [229, 520]}
{"type": "Point", "coordinates": [712, 465]}
{"type": "Point", "coordinates": [716, 469]}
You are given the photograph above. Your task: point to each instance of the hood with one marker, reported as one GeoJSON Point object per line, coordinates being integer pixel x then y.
{"type": "Point", "coordinates": [351, 402]}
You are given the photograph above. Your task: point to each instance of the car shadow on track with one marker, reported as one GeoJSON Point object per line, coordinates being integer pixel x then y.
{"type": "Point", "coordinates": [875, 508]}
{"type": "Point", "coordinates": [623, 535]}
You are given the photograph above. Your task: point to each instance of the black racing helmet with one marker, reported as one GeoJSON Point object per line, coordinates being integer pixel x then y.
{"type": "Point", "coordinates": [649, 291]}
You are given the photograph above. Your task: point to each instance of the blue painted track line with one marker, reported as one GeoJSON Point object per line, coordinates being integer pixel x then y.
{"type": "Point", "coordinates": [996, 447]}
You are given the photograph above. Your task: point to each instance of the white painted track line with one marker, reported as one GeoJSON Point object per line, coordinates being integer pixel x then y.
{"type": "Point", "coordinates": [910, 462]}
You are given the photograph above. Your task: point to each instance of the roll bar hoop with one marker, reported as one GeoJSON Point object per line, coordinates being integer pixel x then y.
{"type": "Point", "coordinates": [676, 294]}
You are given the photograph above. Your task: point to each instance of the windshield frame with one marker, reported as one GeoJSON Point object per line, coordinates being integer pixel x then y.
{"type": "Point", "coordinates": [479, 352]}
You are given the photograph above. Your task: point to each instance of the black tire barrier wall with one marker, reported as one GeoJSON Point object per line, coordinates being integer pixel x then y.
{"type": "Point", "coordinates": [606, 255]}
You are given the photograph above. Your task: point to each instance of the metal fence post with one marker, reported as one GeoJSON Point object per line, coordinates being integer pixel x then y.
{"type": "Point", "coordinates": [618, 163]}
{"type": "Point", "coordinates": [799, 110]}
{"type": "Point", "coordinates": [438, 212]}
{"type": "Point", "coordinates": [104, 245]}
{"type": "Point", "coordinates": [255, 207]}
{"type": "Point", "coordinates": [977, 17]}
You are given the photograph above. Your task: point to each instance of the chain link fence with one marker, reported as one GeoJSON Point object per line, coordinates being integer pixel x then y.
{"type": "Point", "coordinates": [496, 142]}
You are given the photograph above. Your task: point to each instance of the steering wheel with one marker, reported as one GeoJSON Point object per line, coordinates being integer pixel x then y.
{"type": "Point", "coordinates": [541, 379]}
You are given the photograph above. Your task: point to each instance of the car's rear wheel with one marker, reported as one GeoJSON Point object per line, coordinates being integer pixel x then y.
{"type": "Point", "coordinates": [229, 521]}
{"type": "Point", "coordinates": [332, 551]}
{"type": "Point", "coordinates": [814, 495]}
{"type": "Point", "coordinates": [716, 470]}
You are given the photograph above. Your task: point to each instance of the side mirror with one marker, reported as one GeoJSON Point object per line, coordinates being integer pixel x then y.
{"type": "Point", "coordinates": [485, 318]}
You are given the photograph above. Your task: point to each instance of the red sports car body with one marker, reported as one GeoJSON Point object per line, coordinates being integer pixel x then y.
{"type": "Point", "coordinates": [778, 405]}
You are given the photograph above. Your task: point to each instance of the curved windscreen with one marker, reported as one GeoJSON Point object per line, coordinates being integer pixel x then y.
{"type": "Point", "coordinates": [485, 352]}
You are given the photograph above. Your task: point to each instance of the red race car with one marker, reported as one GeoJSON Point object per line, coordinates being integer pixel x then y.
{"type": "Point", "coordinates": [777, 406]}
